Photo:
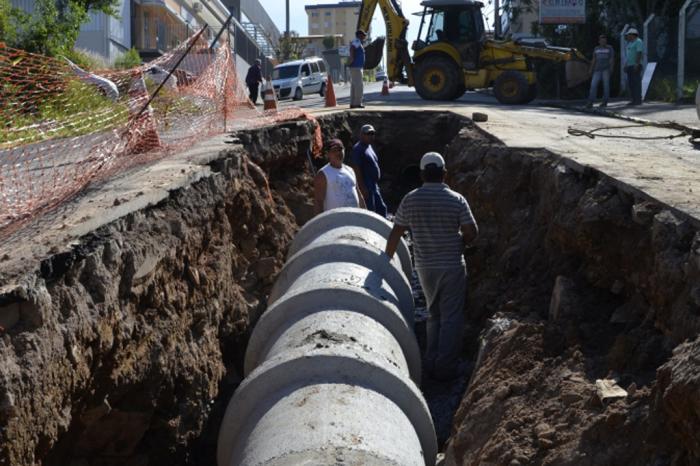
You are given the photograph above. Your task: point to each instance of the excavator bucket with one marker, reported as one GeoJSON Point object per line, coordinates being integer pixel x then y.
{"type": "Point", "coordinates": [576, 72]}
{"type": "Point", "coordinates": [373, 53]}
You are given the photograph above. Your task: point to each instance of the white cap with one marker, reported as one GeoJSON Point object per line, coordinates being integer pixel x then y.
{"type": "Point", "coordinates": [632, 31]}
{"type": "Point", "coordinates": [432, 158]}
{"type": "Point", "coordinates": [367, 129]}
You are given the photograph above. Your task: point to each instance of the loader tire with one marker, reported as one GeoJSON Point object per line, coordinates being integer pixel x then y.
{"type": "Point", "coordinates": [438, 78]}
{"type": "Point", "coordinates": [512, 88]}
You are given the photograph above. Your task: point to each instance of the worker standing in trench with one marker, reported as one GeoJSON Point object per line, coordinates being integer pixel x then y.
{"type": "Point", "coordinates": [365, 162]}
{"type": "Point", "coordinates": [441, 225]}
{"type": "Point", "coordinates": [335, 184]}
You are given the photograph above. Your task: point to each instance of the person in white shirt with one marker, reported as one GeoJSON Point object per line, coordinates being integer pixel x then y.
{"type": "Point", "coordinates": [335, 184]}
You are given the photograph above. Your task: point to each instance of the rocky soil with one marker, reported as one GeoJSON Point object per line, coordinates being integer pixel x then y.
{"type": "Point", "coordinates": [125, 349]}
{"type": "Point", "coordinates": [575, 278]}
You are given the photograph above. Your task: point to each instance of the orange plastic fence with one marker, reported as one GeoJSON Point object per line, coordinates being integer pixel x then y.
{"type": "Point", "coordinates": [62, 128]}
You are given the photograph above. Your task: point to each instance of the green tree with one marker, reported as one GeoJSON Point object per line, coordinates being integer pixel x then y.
{"type": "Point", "coordinates": [290, 47]}
{"type": "Point", "coordinates": [128, 59]}
{"type": "Point", "coordinates": [328, 42]}
{"type": "Point", "coordinates": [54, 26]}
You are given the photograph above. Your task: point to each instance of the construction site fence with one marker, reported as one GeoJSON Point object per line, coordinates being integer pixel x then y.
{"type": "Point", "coordinates": [63, 128]}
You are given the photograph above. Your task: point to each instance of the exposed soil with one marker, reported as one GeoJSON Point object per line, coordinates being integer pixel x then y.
{"type": "Point", "coordinates": [125, 349]}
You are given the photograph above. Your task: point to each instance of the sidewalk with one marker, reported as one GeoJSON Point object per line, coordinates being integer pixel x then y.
{"type": "Point", "coordinates": [659, 112]}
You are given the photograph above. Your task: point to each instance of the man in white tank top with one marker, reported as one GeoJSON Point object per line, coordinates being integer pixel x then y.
{"type": "Point", "coordinates": [335, 184]}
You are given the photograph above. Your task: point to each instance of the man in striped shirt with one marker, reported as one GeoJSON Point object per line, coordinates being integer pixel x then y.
{"type": "Point", "coordinates": [441, 224]}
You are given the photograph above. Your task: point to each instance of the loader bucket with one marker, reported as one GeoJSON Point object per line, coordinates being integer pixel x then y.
{"type": "Point", "coordinates": [576, 73]}
{"type": "Point", "coordinates": [373, 53]}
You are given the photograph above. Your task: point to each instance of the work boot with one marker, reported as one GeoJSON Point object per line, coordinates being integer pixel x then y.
{"type": "Point", "coordinates": [603, 105]}
{"type": "Point", "coordinates": [589, 105]}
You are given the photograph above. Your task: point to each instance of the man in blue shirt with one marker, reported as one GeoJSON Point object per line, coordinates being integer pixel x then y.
{"type": "Point", "coordinates": [356, 64]}
{"type": "Point", "coordinates": [366, 165]}
{"type": "Point", "coordinates": [633, 65]}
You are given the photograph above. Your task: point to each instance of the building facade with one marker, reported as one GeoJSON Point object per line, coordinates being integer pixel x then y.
{"type": "Point", "coordinates": [519, 18]}
{"type": "Point", "coordinates": [331, 19]}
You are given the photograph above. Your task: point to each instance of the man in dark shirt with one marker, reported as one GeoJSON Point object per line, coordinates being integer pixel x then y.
{"type": "Point", "coordinates": [253, 80]}
{"type": "Point", "coordinates": [601, 69]}
{"type": "Point", "coordinates": [366, 165]}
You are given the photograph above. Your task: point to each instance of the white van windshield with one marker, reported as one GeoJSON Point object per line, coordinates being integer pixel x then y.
{"type": "Point", "coordinates": [285, 72]}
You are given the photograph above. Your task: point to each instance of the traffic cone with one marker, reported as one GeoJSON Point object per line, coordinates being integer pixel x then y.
{"type": "Point", "coordinates": [330, 93]}
{"type": "Point", "coordinates": [269, 98]}
{"type": "Point", "coordinates": [385, 87]}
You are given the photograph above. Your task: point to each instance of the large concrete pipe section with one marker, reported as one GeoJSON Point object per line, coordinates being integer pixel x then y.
{"type": "Point", "coordinates": [335, 223]}
{"type": "Point", "coordinates": [331, 367]}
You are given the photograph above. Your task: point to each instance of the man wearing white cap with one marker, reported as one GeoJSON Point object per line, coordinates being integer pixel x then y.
{"type": "Point", "coordinates": [441, 224]}
{"type": "Point", "coordinates": [633, 65]}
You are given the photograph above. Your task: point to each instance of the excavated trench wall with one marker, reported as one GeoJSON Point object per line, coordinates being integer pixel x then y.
{"type": "Point", "coordinates": [125, 348]}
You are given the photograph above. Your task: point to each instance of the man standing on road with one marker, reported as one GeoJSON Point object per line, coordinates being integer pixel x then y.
{"type": "Point", "coordinates": [441, 224]}
{"type": "Point", "coordinates": [366, 165]}
{"type": "Point", "coordinates": [356, 64]}
{"type": "Point", "coordinates": [601, 69]}
{"type": "Point", "coordinates": [253, 80]}
{"type": "Point", "coordinates": [335, 184]}
{"type": "Point", "coordinates": [633, 65]}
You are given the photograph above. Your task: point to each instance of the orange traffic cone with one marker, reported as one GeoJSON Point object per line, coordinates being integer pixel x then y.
{"type": "Point", "coordinates": [269, 98]}
{"type": "Point", "coordinates": [385, 87]}
{"type": "Point", "coordinates": [330, 93]}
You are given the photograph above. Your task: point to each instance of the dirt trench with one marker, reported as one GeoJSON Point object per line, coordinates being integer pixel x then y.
{"type": "Point", "coordinates": [126, 349]}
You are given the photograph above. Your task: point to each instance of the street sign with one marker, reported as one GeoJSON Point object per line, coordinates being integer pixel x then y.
{"type": "Point", "coordinates": [562, 11]}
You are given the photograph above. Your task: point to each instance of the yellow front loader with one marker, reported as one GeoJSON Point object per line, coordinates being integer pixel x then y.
{"type": "Point", "coordinates": [453, 55]}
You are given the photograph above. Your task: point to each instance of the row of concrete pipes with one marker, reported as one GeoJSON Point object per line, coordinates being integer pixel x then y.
{"type": "Point", "coordinates": [332, 366]}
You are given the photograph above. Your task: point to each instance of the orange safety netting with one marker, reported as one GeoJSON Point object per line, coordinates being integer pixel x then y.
{"type": "Point", "coordinates": [62, 128]}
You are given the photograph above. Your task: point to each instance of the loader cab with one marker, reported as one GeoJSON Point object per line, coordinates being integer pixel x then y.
{"type": "Point", "coordinates": [451, 21]}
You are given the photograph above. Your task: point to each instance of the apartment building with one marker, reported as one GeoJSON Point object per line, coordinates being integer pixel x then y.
{"type": "Point", "coordinates": [519, 18]}
{"type": "Point", "coordinates": [331, 19]}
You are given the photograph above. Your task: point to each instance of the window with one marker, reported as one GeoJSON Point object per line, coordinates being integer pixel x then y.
{"type": "Point", "coordinates": [314, 25]}
{"type": "Point", "coordinates": [437, 27]}
{"type": "Point", "coordinates": [314, 67]}
{"type": "Point", "coordinates": [285, 72]}
{"type": "Point", "coordinates": [314, 14]}
{"type": "Point", "coordinates": [326, 24]}
{"type": "Point", "coordinates": [305, 70]}
{"type": "Point", "coordinates": [328, 13]}
{"type": "Point", "coordinates": [322, 67]}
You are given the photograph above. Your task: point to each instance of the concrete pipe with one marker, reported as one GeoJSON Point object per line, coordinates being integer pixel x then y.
{"type": "Point", "coordinates": [331, 366]}
{"type": "Point", "coordinates": [325, 287]}
{"type": "Point", "coordinates": [362, 247]}
{"type": "Point", "coordinates": [334, 222]}
{"type": "Point", "coordinates": [697, 101]}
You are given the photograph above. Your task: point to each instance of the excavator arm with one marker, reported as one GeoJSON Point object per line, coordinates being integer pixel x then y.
{"type": "Point", "coordinates": [396, 43]}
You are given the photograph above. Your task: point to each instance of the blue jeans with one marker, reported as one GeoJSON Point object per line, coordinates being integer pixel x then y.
{"type": "Point", "coordinates": [598, 76]}
{"type": "Point", "coordinates": [374, 200]}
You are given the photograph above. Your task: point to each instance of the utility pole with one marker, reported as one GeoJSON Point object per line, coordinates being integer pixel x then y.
{"type": "Point", "coordinates": [286, 30]}
{"type": "Point", "coordinates": [497, 19]}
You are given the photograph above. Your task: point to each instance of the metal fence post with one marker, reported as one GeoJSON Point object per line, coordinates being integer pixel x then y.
{"type": "Point", "coordinates": [646, 39]}
{"type": "Point", "coordinates": [681, 49]}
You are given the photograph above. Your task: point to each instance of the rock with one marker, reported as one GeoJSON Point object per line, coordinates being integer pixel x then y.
{"type": "Point", "coordinates": [644, 212]}
{"type": "Point", "coordinates": [565, 302]}
{"type": "Point", "coordinates": [608, 390]}
{"type": "Point", "coordinates": [265, 268]}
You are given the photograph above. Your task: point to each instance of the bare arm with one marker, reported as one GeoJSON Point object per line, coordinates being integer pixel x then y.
{"type": "Point", "coordinates": [469, 232]}
{"type": "Point", "coordinates": [363, 204]}
{"type": "Point", "coordinates": [352, 54]}
{"type": "Point", "coordinates": [394, 238]}
{"type": "Point", "coordinates": [360, 180]}
{"type": "Point", "coordinates": [319, 192]}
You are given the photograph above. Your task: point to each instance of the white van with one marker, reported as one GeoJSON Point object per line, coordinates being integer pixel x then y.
{"type": "Point", "coordinates": [296, 78]}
